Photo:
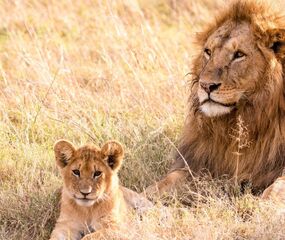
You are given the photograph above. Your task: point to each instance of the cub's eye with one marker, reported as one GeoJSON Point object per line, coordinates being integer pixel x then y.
{"type": "Point", "coordinates": [97, 174]}
{"type": "Point", "coordinates": [207, 52]}
{"type": "Point", "coordinates": [76, 172]}
{"type": "Point", "coordinates": [238, 54]}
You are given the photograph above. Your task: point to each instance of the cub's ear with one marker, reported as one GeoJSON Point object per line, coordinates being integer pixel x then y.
{"type": "Point", "coordinates": [276, 41]}
{"type": "Point", "coordinates": [63, 150]}
{"type": "Point", "coordinates": [114, 153]}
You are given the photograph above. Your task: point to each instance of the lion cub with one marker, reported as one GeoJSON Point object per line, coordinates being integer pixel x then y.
{"type": "Point", "coordinates": [91, 198]}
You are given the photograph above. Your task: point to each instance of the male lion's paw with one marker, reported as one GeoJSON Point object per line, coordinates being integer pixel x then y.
{"type": "Point", "coordinates": [152, 192]}
{"type": "Point", "coordinates": [136, 201]}
{"type": "Point", "coordinates": [142, 204]}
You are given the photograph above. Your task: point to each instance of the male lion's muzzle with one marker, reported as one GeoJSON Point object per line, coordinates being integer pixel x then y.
{"type": "Point", "coordinates": [209, 87]}
{"type": "Point", "coordinates": [215, 99]}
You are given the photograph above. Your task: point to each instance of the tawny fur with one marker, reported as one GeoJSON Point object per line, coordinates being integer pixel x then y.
{"type": "Point", "coordinates": [252, 85]}
{"type": "Point", "coordinates": [109, 208]}
{"type": "Point", "coordinates": [276, 191]}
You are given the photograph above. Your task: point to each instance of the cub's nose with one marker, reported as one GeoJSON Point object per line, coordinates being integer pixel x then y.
{"type": "Point", "coordinates": [86, 191]}
{"type": "Point", "coordinates": [209, 87]}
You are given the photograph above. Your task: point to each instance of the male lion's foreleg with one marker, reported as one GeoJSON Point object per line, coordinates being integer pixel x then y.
{"type": "Point", "coordinates": [136, 200]}
{"type": "Point", "coordinates": [168, 183]}
{"type": "Point", "coordinates": [276, 191]}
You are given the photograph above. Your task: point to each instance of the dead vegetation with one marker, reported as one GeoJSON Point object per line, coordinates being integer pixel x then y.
{"type": "Point", "coordinates": [90, 71]}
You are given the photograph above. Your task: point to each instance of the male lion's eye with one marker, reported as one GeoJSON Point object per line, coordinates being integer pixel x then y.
{"type": "Point", "coordinates": [97, 174]}
{"type": "Point", "coordinates": [238, 54]}
{"type": "Point", "coordinates": [76, 172]}
{"type": "Point", "coordinates": [208, 52]}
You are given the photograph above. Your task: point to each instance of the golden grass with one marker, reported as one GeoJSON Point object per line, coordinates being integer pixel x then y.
{"type": "Point", "coordinates": [90, 71]}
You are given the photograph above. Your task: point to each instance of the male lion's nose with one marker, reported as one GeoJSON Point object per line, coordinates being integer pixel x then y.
{"type": "Point", "coordinates": [210, 87]}
{"type": "Point", "coordinates": [85, 191]}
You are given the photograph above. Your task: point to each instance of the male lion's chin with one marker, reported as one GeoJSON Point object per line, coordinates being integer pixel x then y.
{"type": "Point", "coordinates": [85, 202]}
{"type": "Point", "coordinates": [211, 109]}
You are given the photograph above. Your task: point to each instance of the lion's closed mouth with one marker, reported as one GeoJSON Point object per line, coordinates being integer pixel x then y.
{"type": "Point", "coordinates": [223, 104]}
{"type": "Point", "coordinates": [84, 199]}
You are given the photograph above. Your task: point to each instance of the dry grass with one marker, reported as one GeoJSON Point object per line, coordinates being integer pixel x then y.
{"type": "Point", "coordinates": [90, 71]}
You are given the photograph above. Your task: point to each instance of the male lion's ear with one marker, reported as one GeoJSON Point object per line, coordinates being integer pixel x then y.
{"type": "Point", "coordinates": [276, 41]}
{"type": "Point", "coordinates": [114, 153]}
{"type": "Point", "coordinates": [63, 151]}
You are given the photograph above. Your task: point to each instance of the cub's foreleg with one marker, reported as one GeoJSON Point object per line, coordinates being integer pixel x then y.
{"type": "Point", "coordinates": [65, 231]}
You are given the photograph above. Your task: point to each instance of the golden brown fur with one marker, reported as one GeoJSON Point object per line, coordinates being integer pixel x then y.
{"type": "Point", "coordinates": [240, 67]}
{"type": "Point", "coordinates": [92, 198]}
{"type": "Point", "coordinates": [276, 191]}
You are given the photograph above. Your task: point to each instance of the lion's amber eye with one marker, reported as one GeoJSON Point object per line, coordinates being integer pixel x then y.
{"type": "Point", "coordinates": [97, 174]}
{"type": "Point", "coordinates": [76, 172]}
{"type": "Point", "coordinates": [238, 54]}
{"type": "Point", "coordinates": [208, 52]}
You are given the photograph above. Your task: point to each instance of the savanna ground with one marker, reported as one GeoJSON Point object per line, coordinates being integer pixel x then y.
{"type": "Point", "coordinates": [90, 71]}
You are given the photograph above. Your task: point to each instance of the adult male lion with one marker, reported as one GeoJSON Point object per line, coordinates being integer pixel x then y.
{"type": "Point", "coordinates": [238, 77]}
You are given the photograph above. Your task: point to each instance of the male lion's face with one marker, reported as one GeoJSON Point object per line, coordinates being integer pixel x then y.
{"type": "Point", "coordinates": [88, 172]}
{"type": "Point", "coordinates": [229, 68]}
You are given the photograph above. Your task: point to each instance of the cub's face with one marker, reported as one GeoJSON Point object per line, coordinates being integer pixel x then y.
{"type": "Point", "coordinates": [89, 173]}
{"type": "Point", "coordinates": [230, 68]}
